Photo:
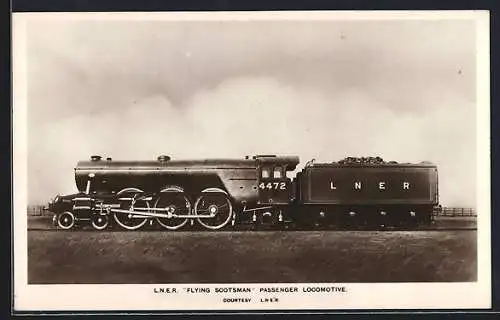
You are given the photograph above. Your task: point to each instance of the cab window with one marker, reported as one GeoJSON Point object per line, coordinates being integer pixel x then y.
{"type": "Point", "coordinates": [265, 173]}
{"type": "Point", "coordinates": [277, 174]}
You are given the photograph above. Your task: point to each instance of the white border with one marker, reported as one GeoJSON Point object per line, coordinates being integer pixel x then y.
{"type": "Point", "coordinates": [359, 296]}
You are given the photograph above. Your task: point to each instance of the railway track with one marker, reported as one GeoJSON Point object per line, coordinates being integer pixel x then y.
{"type": "Point", "coordinates": [422, 229]}
{"type": "Point", "coordinates": [44, 223]}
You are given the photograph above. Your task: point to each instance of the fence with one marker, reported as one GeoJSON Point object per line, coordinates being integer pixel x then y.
{"type": "Point", "coordinates": [457, 212]}
{"type": "Point", "coordinates": [36, 210]}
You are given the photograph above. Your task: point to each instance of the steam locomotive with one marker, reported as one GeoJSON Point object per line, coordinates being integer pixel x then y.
{"type": "Point", "coordinates": [260, 191]}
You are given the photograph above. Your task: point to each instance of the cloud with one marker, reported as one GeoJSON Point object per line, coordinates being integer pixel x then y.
{"type": "Point", "coordinates": [403, 90]}
{"type": "Point", "coordinates": [249, 115]}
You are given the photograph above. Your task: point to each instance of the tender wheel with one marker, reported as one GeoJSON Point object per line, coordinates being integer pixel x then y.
{"type": "Point", "coordinates": [126, 198]}
{"type": "Point", "coordinates": [349, 219]}
{"type": "Point", "coordinates": [216, 204]}
{"type": "Point", "coordinates": [173, 201]}
{"type": "Point", "coordinates": [383, 219]}
{"type": "Point", "coordinates": [100, 222]}
{"type": "Point", "coordinates": [66, 220]}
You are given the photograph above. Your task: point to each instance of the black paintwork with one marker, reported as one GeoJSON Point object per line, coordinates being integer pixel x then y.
{"type": "Point", "coordinates": [303, 198]}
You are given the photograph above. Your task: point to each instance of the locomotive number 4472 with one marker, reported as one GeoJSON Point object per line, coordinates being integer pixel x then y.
{"type": "Point", "coordinates": [273, 185]}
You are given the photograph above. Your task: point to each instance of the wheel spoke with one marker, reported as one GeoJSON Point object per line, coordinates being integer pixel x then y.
{"type": "Point", "coordinates": [176, 203]}
{"type": "Point", "coordinates": [126, 220]}
{"type": "Point", "coordinates": [217, 208]}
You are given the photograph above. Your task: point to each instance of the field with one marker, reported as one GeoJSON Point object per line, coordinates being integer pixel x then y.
{"type": "Point", "coordinates": [237, 257]}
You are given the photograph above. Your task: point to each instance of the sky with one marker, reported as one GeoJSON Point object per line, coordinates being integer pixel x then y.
{"type": "Point", "coordinates": [403, 90]}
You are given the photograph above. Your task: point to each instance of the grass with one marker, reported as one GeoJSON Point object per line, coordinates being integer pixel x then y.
{"type": "Point", "coordinates": [239, 257]}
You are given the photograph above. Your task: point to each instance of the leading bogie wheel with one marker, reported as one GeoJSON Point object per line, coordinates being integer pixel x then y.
{"type": "Point", "coordinates": [172, 201]}
{"type": "Point", "coordinates": [66, 220]}
{"type": "Point", "coordinates": [214, 203]}
{"type": "Point", "coordinates": [100, 221]}
{"type": "Point", "coordinates": [126, 198]}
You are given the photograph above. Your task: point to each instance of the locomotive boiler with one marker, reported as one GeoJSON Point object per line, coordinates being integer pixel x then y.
{"type": "Point", "coordinates": [221, 193]}
{"type": "Point", "coordinates": [173, 193]}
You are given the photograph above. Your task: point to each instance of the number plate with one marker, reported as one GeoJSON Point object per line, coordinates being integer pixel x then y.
{"type": "Point", "coordinates": [273, 185]}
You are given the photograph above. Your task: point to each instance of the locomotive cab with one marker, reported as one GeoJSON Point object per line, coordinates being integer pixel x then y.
{"type": "Point", "coordinates": [274, 187]}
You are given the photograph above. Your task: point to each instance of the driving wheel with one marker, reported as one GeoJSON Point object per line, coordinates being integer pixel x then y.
{"type": "Point", "coordinates": [215, 205]}
{"type": "Point", "coordinates": [130, 199]}
{"type": "Point", "coordinates": [172, 201]}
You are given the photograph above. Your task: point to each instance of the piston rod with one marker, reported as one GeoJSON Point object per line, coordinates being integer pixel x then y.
{"type": "Point", "coordinates": [141, 214]}
{"type": "Point", "coordinates": [139, 209]}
